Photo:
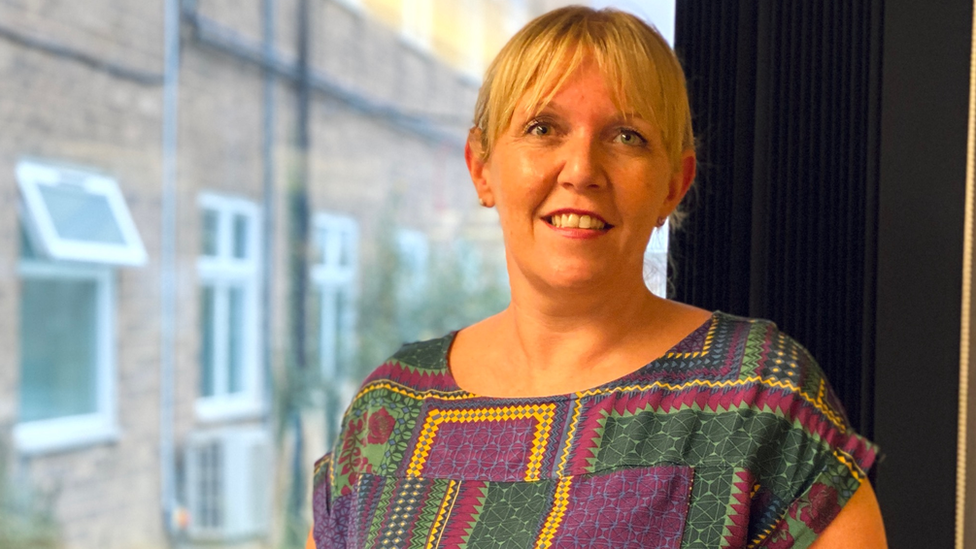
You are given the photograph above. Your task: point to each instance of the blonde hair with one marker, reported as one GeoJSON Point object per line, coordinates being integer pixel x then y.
{"type": "Point", "coordinates": [641, 71]}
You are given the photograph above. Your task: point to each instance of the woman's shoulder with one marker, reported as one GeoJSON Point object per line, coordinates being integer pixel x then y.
{"type": "Point", "coordinates": [749, 372]}
{"type": "Point", "coordinates": [419, 366]}
{"type": "Point", "coordinates": [729, 347]}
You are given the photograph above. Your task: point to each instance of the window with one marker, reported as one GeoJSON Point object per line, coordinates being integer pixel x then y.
{"type": "Point", "coordinates": [76, 214]}
{"type": "Point", "coordinates": [229, 275]}
{"type": "Point", "coordinates": [418, 17]}
{"type": "Point", "coordinates": [334, 268]}
{"type": "Point", "coordinates": [413, 256]}
{"type": "Point", "coordinates": [67, 391]}
{"type": "Point", "coordinates": [656, 261]}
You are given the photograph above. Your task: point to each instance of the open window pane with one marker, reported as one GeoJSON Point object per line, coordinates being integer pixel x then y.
{"type": "Point", "coordinates": [58, 380]}
{"type": "Point", "coordinates": [77, 215]}
{"type": "Point", "coordinates": [80, 215]}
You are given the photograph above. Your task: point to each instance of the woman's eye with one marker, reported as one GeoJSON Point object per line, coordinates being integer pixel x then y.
{"type": "Point", "coordinates": [630, 137]}
{"type": "Point", "coordinates": [539, 129]}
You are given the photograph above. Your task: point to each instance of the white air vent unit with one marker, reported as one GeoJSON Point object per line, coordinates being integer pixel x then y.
{"type": "Point", "coordinates": [228, 483]}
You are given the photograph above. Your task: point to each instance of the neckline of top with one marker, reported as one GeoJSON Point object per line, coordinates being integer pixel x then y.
{"type": "Point", "coordinates": [452, 385]}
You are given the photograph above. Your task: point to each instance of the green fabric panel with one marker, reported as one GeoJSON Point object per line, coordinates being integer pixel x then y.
{"type": "Point", "coordinates": [780, 455]}
{"type": "Point", "coordinates": [512, 514]}
{"type": "Point", "coordinates": [705, 525]}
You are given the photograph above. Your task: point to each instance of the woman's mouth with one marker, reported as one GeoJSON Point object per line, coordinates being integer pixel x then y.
{"type": "Point", "coordinates": [576, 221]}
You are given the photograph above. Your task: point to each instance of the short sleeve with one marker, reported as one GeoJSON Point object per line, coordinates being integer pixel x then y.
{"type": "Point", "coordinates": [328, 524]}
{"type": "Point", "coordinates": [835, 465]}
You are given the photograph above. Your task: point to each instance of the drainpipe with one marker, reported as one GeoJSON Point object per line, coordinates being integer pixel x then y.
{"type": "Point", "coordinates": [167, 262]}
{"type": "Point", "coordinates": [298, 217]}
{"type": "Point", "coordinates": [268, 257]}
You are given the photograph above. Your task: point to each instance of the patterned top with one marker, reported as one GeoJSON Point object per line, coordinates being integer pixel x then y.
{"type": "Point", "coordinates": [732, 439]}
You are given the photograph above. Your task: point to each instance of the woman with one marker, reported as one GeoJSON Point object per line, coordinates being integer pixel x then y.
{"type": "Point", "coordinates": [590, 412]}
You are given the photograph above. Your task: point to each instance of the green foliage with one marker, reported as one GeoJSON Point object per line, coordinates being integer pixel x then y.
{"type": "Point", "coordinates": [26, 515]}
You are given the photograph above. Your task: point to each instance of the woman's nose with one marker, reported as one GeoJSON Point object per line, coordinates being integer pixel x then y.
{"type": "Point", "coordinates": [583, 163]}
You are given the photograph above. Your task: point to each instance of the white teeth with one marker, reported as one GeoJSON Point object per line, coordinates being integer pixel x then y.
{"type": "Point", "coordinates": [575, 221]}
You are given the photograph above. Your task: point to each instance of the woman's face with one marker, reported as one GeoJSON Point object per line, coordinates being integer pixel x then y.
{"type": "Point", "coordinates": [579, 186]}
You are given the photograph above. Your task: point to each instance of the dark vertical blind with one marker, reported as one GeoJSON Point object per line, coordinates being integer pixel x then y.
{"type": "Point", "coordinates": [785, 98]}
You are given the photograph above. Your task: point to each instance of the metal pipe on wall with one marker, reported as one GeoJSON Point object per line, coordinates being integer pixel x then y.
{"type": "Point", "coordinates": [268, 176]}
{"type": "Point", "coordinates": [167, 262]}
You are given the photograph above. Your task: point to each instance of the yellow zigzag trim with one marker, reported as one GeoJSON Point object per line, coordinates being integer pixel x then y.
{"type": "Point", "coordinates": [322, 463]}
{"type": "Point", "coordinates": [542, 413]}
{"type": "Point", "coordinates": [410, 393]}
{"type": "Point", "coordinates": [781, 384]}
{"type": "Point", "coordinates": [851, 464]}
{"type": "Point", "coordinates": [447, 505]}
{"type": "Point", "coordinates": [817, 401]}
{"type": "Point", "coordinates": [560, 502]}
{"type": "Point", "coordinates": [577, 405]}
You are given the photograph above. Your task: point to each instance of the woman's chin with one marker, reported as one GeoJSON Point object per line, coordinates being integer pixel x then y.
{"type": "Point", "coordinates": [580, 279]}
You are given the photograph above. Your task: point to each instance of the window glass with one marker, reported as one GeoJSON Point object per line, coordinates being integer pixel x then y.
{"type": "Point", "coordinates": [235, 340]}
{"type": "Point", "coordinates": [240, 236]}
{"type": "Point", "coordinates": [207, 322]}
{"type": "Point", "coordinates": [58, 380]}
{"type": "Point", "coordinates": [81, 215]}
{"type": "Point", "coordinates": [209, 231]}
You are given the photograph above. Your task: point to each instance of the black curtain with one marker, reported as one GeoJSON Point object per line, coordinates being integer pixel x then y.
{"type": "Point", "coordinates": [830, 199]}
{"type": "Point", "coordinates": [785, 101]}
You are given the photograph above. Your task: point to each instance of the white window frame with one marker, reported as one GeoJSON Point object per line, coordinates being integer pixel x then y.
{"type": "Point", "coordinates": [222, 272]}
{"type": "Point", "coordinates": [33, 174]}
{"type": "Point", "coordinates": [67, 432]}
{"type": "Point", "coordinates": [331, 277]}
{"type": "Point", "coordinates": [417, 23]}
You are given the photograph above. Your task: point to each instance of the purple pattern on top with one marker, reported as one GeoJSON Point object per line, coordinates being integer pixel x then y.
{"type": "Point", "coordinates": [627, 508]}
{"type": "Point", "coordinates": [482, 450]}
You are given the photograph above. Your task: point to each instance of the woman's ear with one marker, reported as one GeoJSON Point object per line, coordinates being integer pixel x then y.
{"type": "Point", "coordinates": [680, 182]}
{"type": "Point", "coordinates": [477, 167]}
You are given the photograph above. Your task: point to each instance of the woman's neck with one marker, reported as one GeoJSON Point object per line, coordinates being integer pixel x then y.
{"type": "Point", "coordinates": [554, 341]}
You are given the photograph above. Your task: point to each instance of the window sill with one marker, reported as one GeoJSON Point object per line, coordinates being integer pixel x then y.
{"type": "Point", "coordinates": [64, 434]}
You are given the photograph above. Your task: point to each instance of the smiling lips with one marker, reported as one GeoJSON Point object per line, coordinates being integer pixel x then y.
{"type": "Point", "coordinates": [577, 221]}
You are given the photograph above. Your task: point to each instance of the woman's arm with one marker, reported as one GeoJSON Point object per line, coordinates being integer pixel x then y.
{"type": "Point", "coordinates": [857, 526]}
{"type": "Point", "coordinates": [310, 543]}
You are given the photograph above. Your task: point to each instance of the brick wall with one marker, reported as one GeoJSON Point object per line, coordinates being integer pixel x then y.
{"type": "Point", "coordinates": [63, 109]}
